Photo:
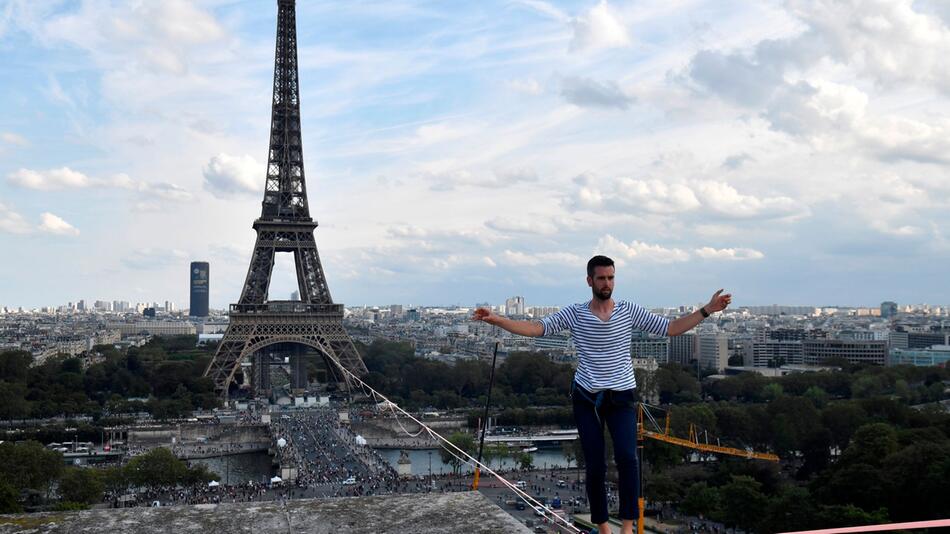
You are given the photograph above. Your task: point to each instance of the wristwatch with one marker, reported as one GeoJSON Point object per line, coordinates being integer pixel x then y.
{"type": "Point", "coordinates": [704, 312]}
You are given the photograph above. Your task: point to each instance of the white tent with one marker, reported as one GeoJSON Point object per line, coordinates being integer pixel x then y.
{"type": "Point", "coordinates": [213, 484]}
{"type": "Point", "coordinates": [281, 442]}
{"type": "Point", "coordinates": [276, 480]}
{"type": "Point", "coordinates": [361, 441]}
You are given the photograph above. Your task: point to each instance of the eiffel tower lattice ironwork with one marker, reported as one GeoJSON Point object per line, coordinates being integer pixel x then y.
{"type": "Point", "coordinates": [285, 225]}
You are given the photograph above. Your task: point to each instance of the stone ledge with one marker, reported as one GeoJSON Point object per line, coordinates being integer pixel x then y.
{"type": "Point", "coordinates": [397, 514]}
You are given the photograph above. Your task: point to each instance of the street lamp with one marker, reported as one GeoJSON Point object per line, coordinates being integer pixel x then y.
{"type": "Point", "coordinates": [430, 473]}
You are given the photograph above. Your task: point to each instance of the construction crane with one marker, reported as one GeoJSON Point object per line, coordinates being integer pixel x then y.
{"type": "Point", "coordinates": [691, 442]}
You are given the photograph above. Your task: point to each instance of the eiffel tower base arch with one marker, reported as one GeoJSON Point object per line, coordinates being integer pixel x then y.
{"type": "Point", "coordinates": [249, 333]}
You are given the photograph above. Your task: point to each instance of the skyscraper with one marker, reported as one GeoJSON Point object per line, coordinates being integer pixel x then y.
{"type": "Point", "coordinates": [888, 309]}
{"type": "Point", "coordinates": [200, 279]}
{"type": "Point", "coordinates": [514, 306]}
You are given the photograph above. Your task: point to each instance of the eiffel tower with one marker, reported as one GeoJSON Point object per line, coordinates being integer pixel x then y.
{"type": "Point", "coordinates": [285, 225]}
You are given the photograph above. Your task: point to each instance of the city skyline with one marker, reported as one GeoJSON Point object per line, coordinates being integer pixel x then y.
{"type": "Point", "coordinates": [470, 153]}
{"type": "Point", "coordinates": [100, 305]}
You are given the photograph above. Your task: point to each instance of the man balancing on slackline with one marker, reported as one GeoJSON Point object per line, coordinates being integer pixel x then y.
{"type": "Point", "coordinates": [604, 388]}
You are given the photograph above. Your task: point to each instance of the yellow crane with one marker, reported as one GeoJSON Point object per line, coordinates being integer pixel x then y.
{"type": "Point", "coordinates": [691, 442]}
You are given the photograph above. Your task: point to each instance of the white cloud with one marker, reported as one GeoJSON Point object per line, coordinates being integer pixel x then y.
{"type": "Point", "coordinates": [815, 85]}
{"type": "Point", "coordinates": [735, 76]}
{"type": "Point", "coordinates": [711, 198]}
{"type": "Point", "coordinates": [408, 230]}
{"type": "Point", "coordinates": [498, 179]}
{"type": "Point", "coordinates": [527, 86]}
{"type": "Point", "coordinates": [585, 92]}
{"type": "Point", "coordinates": [12, 222]}
{"type": "Point", "coordinates": [49, 180]}
{"type": "Point", "coordinates": [725, 201]}
{"type": "Point", "coordinates": [227, 176]}
{"type": "Point", "coordinates": [887, 41]}
{"type": "Point", "coordinates": [545, 8]}
{"type": "Point", "coordinates": [154, 258]}
{"type": "Point", "coordinates": [598, 29]}
{"type": "Point", "coordinates": [152, 196]}
{"type": "Point", "coordinates": [710, 253]}
{"type": "Point", "coordinates": [13, 139]}
{"type": "Point", "coordinates": [737, 160]}
{"type": "Point", "coordinates": [163, 192]}
{"type": "Point", "coordinates": [533, 225]}
{"type": "Point", "coordinates": [639, 251]}
{"type": "Point", "coordinates": [518, 258]}
{"type": "Point", "coordinates": [52, 224]}
{"type": "Point", "coordinates": [159, 35]}
{"type": "Point", "coordinates": [430, 134]}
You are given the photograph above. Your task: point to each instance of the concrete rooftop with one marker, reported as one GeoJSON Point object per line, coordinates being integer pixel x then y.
{"type": "Point", "coordinates": [403, 514]}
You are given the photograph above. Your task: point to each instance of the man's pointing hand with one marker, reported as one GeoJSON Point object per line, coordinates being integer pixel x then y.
{"type": "Point", "coordinates": [718, 302]}
{"type": "Point", "coordinates": [482, 314]}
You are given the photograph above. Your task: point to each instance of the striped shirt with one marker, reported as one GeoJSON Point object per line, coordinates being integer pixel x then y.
{"type": "Point", "coordinates": [603, 347]}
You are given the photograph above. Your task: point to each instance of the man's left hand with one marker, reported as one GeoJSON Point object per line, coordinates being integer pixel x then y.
{"type": "Point", "coordinates": [718, 302]}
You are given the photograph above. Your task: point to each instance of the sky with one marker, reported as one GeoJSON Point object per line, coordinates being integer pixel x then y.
{"type": "Point", "coordinates": [792, 152]}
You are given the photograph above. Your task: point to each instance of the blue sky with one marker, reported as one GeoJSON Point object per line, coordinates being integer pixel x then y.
{"type": "Point", "coordinates": [793, 152]}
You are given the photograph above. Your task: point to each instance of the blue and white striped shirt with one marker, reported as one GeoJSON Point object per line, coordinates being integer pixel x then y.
{"type": "Point", "coordinates": [603, 347]}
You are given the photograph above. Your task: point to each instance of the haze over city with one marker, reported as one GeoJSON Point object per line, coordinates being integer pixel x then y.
{"type": "Point", "coordinates": [793, 152]}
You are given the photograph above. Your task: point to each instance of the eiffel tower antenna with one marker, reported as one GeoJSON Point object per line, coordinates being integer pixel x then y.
{"type": "Point", "coordinates": [285, 225]}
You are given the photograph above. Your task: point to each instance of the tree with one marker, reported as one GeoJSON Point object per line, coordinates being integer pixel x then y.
{"type": "Point", "coordinates": [15, 365]}
{"type": "Point", "coordinates": [81, 485]}
{"type": "Point", "coordinates": [462, 440]}
{"type": "Point", "coordinates": [13, 403]}
{"type": "Point", "coordinates": [849, 516]}
{"type": "Point", "coordinates": [860, 484]}
{"type": "Point", "coordinates": [9, 498]}
{"type": "Point", "coordinates": [701, 500]}
{"type": "Point", "coordinates": [792, 509]}
{"type": "Point", "coordinates": [199, 474]}
{"type": "Point", "coordinates": [567, 449]}
{"type": "Point", "coordinates": [815, 448]}
{"type": "Point", "coordinates": [525, 460]}
{"type": "Point", "coordinates": [157, 467]}
{"type": "Point", "coordinates": [661, 488]}
{"type": "Point", "coordinates": [742, 503]}
{"type": "Point", "coordinates": [817, 396]}
{"type": "Point", "coordinates": [29, 465]}
{"type": "Point", "coordinates": [918, 477]}
{"type": "Point", "coordinates": [870, 444]}
{"type": "Point", "coordinates": [772, 391]}
{"type": "Point", "coordinates": [579, 453]}
{"type": "Point", "coordinates": [842, 419]}
{"type": "Point", "coordinates": [676, 383]}
{"type": "Point", "coordinates": [115, 479]}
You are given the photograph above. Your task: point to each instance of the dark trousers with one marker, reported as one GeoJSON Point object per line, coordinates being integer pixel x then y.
{"type": "Point", "coordinates": [618, 411]}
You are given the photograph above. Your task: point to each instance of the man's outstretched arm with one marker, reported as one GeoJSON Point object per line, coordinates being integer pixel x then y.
{"type": "Point", "coordinates": [522, 328]}
{"type": "Point", "coordinates": [718, 302]}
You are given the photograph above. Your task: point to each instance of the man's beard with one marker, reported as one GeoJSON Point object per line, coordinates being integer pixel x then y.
{"type": "Point", "coordinates": [603, 294]}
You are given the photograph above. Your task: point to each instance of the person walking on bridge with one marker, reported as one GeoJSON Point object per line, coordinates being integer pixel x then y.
{"type": "Point", "coordinates": [604, 388]}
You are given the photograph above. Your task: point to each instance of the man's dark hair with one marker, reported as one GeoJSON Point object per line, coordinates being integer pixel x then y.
{"type": "Point", "coordinates": [598, 261]}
